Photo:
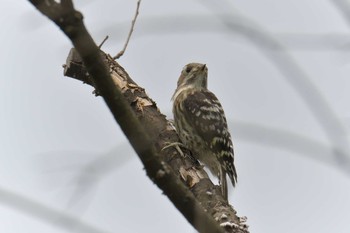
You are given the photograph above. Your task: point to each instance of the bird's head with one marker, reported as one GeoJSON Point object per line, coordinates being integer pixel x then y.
{"type": "Point", "coordinates": [193, 75]}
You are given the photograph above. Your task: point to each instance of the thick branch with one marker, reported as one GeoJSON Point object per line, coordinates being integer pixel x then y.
{"type": "Point", "coordinates": [161, 132]}
{"type": "Point", "coordinates": [146, 128]}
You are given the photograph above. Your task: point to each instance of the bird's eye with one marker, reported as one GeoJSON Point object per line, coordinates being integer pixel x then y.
{"type": "Point", "coordinates": [188, 69]}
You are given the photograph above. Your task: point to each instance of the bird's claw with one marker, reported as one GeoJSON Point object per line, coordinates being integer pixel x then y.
{"type": "Point", "coordinates": [177, 146]}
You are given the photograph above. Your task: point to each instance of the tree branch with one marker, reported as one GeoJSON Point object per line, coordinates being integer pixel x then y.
{"type": "Point", "coordinates": [185, 184]}
{"type": "Point", "coordinates": [121, 53]}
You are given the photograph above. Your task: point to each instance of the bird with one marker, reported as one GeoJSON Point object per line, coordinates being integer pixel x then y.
{"type": "Point", "coordinates": [201, 124]}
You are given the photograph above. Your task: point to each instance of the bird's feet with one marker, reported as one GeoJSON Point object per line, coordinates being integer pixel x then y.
{"type": "Point", "coordinates": [177, 146]}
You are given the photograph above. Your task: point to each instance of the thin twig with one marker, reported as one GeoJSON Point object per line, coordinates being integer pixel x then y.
{"type": "Point", "coordinates": [104, 40]}
{"type": "Point", "coordinates": [130, 32]}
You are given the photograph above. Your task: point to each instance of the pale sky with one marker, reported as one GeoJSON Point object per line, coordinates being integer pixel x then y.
{"type": "Point", "coordinates": [280, 68]}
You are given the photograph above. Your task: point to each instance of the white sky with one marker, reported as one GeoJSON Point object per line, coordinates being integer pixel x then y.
{"type": "Point", "coordinates": [287, 107]}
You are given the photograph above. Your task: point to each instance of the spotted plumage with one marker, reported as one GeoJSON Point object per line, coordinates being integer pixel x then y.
{"type": "Point", "coordinates": [201, 124]}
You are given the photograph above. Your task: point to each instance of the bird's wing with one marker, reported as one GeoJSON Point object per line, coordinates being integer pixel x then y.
{"type": "Point", "coordinates": [205, 114]}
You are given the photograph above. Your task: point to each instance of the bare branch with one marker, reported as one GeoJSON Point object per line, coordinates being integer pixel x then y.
{"type": "Point", "coordinates": [121, 53]}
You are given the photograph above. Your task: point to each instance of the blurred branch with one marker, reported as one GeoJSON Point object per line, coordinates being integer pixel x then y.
{"type": "Point", "coordinates": [96, 170]}
{"type": "Point", "coordinates": [283, 139]}
{"type": "Point", "coordinates": [46, 213]}
{"type": "Point", "coordinates": [172, 24]}
{"type": "Point", "coordinates": [89, 170]}
{"type": "Point", "coordinates": [146, 128]}
{"type": "Point", "coordinates": [344, 8]}
{"type": "Point", "coordinates": [295, 76]}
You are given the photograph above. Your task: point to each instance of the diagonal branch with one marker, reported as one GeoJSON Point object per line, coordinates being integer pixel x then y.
{"type": "Point", "coordinates": [185, 184]}
{"type": "Point", "coordinates": [162, 132]}
{"type": "Point", "coordinates": [46, 213]}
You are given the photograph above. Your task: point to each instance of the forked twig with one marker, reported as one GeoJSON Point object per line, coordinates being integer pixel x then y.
{"type": "Point", "coordinates": [130, 32]}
